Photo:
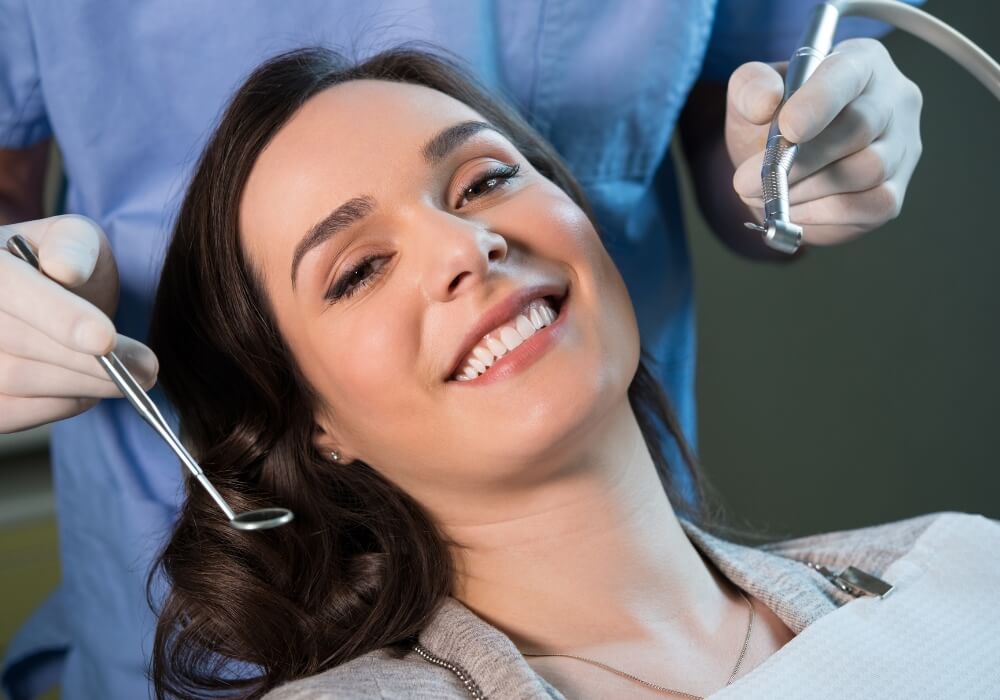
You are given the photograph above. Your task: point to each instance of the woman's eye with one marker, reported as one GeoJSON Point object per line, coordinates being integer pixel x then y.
{"type": "Point", "coordinates": [359, 276]}
{"type": "Point", "coordinates": [492, 179]}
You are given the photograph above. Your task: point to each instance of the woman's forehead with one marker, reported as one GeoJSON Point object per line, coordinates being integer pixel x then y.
{"type": "Point", "coordinates": [350, 136]}
{"type": "Point", "coordinates": [373, 115]}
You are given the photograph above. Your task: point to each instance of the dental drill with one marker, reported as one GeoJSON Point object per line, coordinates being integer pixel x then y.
{"type": "Point", "coordinates": [779, 154]}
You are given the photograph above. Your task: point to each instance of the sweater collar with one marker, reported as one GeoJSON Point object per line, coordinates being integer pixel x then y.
{"type": "Point", "coordinates": [795, 593]}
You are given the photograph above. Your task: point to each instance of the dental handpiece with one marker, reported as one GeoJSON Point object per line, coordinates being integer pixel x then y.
{"type": "Point", "coordinates": [249, 520]}
{"type": "Point", "coordinates": [779, 154]}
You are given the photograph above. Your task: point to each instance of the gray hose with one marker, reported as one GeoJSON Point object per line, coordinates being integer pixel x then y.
{"type": "Point", "coordinates": [932, 30]}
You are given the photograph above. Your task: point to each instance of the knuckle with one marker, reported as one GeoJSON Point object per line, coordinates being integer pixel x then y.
{"type": "Point", "coordinates": [875, 165]}
{"type": "Point", "coordinates": [888, 200]}
{"type": "Point", "coordinates": [849, 61]}
{"type": "Point", "coordinates": [916, 94]}
{"type": "Point", "coordinates": [869, 121]}
{"type": "Point", "coordinates": [874, 46]}
{"type": "Point", "coordinates": [863, 44]}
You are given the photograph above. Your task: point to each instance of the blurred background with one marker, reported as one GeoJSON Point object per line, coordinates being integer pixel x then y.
{"type": "Point", "coordinates": [859, 385]}
{"type": "Point", "coordinates": [853, 387]}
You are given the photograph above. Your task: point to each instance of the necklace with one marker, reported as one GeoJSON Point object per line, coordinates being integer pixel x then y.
{"type": "Point", "coordinates": [732, 676]}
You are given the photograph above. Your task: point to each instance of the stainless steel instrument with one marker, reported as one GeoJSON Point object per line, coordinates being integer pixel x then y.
{"type": "Point", "coordinates": [251, 520]}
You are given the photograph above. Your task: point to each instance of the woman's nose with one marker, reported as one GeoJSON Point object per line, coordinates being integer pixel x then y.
{"type": "Point", "coordinates": [457, 253]}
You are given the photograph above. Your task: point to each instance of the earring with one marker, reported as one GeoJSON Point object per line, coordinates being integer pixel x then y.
{"type": "Point", "coordinates": [335, 456]}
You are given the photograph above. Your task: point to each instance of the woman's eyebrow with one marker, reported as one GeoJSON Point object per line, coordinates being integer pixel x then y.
{"type": "Point", "coordinates": [450, 138]}
{"type": "Point", "coordinates": [357, 208]}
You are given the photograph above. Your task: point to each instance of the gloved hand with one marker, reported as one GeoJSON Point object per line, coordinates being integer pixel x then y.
{"type": "Point", "coordinates": [858, 120]}
{"type": "Point", "coordinates": [52, 325]}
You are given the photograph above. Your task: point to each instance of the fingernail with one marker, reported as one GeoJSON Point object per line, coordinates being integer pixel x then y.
{"type": "Point", "coordinates": [757, 95]}
{"type": "Point", "coordinates": [143, 360]}
{"type": "Point", "coordinates": [76, 257]}
{"type": "Point", "coordinates": [92, 337]}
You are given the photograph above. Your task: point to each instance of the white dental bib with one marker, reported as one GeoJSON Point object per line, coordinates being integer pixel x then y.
{"type": "Point", "coordinates": [936, 635]}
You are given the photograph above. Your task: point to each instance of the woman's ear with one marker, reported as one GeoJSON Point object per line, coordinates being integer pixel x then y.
{"type": "Point", "coordinates": [328, 444]}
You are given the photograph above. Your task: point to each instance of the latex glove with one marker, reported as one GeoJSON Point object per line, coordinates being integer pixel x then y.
{"type": "Point", "coordinates": [858, 120]}
{"type": "Point", "coordinates": [52, 325]}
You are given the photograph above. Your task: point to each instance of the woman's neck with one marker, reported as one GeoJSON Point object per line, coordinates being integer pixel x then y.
{"type": "Point", "coordinates": [595, 558]}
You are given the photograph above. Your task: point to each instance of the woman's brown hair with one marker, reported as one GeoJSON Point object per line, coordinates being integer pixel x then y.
{"type": "Point", "coordinates": [362, 566]}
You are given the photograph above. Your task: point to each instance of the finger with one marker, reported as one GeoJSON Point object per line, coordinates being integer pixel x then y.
{"type": "Point", "coordinates": [747, 181]}
{"type": "Point", "coordinates": [857, 127]}
{"type": "Point", "coordinates": [18, 414]}
{"type": "Point", "coordinates": [839, 79]}
{"type": "Point", "coordinates": [22, 340]}
{"type": "Point", "coordinates": [58, 313]}
{"type": "Point", "coordinates": [28, 378]}
{"type": "Point", "coordinates": [857, 172]}
{"type": "Point", "coordinates": [830, 234]}
{"type": "Point", "coordinates": [754, 92]}
{"type": "Point", "coordinates": [68, 246]}
{"type": "Point", "coordinates": [853, 130]}
{"type": "Point", "coordinates": [870, 208]}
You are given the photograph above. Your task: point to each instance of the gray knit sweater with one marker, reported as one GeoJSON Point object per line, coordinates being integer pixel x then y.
{"type": "Point", "coordinates": [462, 656]}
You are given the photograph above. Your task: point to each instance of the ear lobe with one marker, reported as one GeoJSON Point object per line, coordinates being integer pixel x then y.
{"type": "Point", "coordinates": [328, 445]}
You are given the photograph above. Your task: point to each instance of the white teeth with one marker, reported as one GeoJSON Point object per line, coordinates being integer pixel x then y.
{"type": "Point", "coordinates": [499, 342]}
{"type": "Point", "coordinates": [524, 326]}
{"type": "Point", "coordinates": [510, 337]}
{"type": "Point", "coordinates": [483, 355]}
{"type": "Point", "coordinates": [536, 318]}
{"type": "Point", "coordinates": [497, 348]}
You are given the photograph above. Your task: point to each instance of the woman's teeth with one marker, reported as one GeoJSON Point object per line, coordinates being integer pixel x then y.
{"type": "Point", "coordinates": [536, 315]}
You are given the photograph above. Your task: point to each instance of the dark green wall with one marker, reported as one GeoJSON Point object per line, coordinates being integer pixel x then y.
{"type": "Point", "coordinates": [862, 383]}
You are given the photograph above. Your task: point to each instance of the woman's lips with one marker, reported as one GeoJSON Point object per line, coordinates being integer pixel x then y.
{"type": "Point", "coordinates": [525, 354]}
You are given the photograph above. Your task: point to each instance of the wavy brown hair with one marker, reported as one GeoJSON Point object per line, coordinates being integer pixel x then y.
{"type": "Point", "coordinates": [363, 566]}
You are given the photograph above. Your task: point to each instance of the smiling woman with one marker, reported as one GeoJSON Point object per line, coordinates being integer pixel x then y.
{"type": "Point", "coordinates": [354, 239]}
{"type": "Point", "coordinates": [386, 306]}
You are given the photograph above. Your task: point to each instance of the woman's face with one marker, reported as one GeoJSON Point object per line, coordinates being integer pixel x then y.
{"type": "Point", "coordinates": [409, 180]}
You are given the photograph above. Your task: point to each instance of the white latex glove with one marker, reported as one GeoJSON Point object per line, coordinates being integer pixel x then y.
{"type": "Point", "coordinates": [858, 120]}
{"type": "Point", "coordinates": [53, 325]}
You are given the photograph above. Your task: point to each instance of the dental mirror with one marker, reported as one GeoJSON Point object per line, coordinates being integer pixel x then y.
{"type": "Point", "coordinates": [261, 519]}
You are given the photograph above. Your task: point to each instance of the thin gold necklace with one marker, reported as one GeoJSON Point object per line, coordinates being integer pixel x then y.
{"type": "Point", "coordinates": [692, 696]}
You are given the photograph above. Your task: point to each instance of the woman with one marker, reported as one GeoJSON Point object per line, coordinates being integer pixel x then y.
{"type": "Point", "coordinates": [386, 307]}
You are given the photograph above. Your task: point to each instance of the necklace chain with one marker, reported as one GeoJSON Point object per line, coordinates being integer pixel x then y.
{"type": "Point", "coordinates": [732, 676]}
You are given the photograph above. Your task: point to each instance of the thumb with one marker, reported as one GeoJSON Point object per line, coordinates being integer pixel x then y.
{"type": "Point", "coordinates": [755, 91]}
{"type": "Point", "coordinates": [69, 249]}
{"type": "Point", "coordinates": [68, 246]}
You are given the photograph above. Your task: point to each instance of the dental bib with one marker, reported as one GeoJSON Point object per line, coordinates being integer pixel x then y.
{"type": "Point", "coordinates": [936, 635]}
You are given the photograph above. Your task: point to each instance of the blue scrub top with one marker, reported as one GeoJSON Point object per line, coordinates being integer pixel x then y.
{"type": "Point", "coordinates": [131, 91]}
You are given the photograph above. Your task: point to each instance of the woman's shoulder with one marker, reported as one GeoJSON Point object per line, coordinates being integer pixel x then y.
{"type": "Point", "coordinates": [871, 548]}
{"type": "Point", "coordinates": [377, 674]}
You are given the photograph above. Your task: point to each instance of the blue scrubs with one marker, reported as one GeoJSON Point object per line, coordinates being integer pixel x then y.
{"type": "Point", "coordinates": [131, 90]}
